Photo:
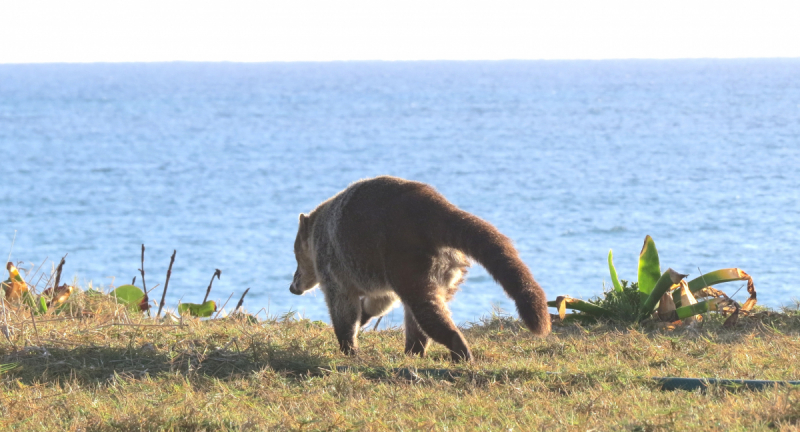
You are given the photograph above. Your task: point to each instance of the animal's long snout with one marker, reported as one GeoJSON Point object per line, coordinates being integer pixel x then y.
{"type": "Point", "coordinates": [294, 290]}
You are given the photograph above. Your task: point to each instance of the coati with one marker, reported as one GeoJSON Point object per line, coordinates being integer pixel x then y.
{"type": "Point", "coordinates": [385, 240]}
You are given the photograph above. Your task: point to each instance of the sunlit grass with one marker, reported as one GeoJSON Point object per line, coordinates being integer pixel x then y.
{"type": "Point", "coordinates": [100, 367]}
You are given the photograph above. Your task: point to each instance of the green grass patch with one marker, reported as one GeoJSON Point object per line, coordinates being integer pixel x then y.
{"type": "Point", "coordinates": [101, 367]}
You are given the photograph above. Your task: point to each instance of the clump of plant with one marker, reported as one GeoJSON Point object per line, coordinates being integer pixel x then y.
{"type": "Point", "coordinates": [621, 303]}
{"type": "Point", "coordinates": [664, 296]}
{"type": "Point", "coordinates": [18, 293]}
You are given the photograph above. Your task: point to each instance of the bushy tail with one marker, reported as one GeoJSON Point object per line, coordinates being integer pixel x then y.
{"type": "Point", "coordinates": [485, 244]}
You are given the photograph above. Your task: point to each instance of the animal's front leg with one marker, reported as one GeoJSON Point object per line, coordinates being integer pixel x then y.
{"type": "Point", "coordinates": [416, 340]}
{"type": "Point", "coordinates": [345, 308]}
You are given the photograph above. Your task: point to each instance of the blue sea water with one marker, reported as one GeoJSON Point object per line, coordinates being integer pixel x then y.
{"type": "Point", "coordinates": [568, 158]}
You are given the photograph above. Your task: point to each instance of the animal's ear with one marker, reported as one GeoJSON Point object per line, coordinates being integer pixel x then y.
{"type": "Point", "coordinates": [303, 224]}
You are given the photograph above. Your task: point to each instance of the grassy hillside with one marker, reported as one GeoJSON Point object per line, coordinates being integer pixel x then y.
{"type": "Point", "coordinates": [99, 367]}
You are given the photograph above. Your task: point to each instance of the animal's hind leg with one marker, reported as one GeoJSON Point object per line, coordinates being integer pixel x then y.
{"type": "Point", "coordinates": [377, 306]}
{"type": "Point", "coordinates": [433, 318]}
{"type": "Point", "coordinates": [345, 309]}
{"type": "Point", "coordinates": [411, 280]}
{"type": "Point", "coordinates": [416, 340]}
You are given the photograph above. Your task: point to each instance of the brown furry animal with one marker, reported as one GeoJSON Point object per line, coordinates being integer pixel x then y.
{"type": "Point", "coordinates": [387, 239]}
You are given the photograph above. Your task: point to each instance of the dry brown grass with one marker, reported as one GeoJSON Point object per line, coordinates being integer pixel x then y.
{"type": "Point", "coordinates": [114, 370]}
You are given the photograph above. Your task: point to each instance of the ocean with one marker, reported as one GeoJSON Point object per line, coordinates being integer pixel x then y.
{"type": "Point", "coordinates": [567, 158]}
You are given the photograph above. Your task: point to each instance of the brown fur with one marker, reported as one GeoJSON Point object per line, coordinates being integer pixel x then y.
{"type": "Point", "coordinates": [387, 239]}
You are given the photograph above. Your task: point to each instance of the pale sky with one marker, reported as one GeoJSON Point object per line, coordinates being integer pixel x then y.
{"type": "Point", "coordinates": [34, 31]}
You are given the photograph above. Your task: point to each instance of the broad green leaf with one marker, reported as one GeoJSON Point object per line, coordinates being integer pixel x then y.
{"type": "Point", "coordinates": [580, 305]}
{"type": "Point", "coordinates": [613, 271]}
{"type": "Point", "coordinates": [698, 308]}
{"type": "Point", "coordinates": [204, 310]}
{"type": "Point", "coordinates": [717, 277]}
{"type": "Point", "coordinates": [129, 295]}
{"type": "Point", "coordinates": [649, 267]}
{"type": "Point", "coordinates": [663, 285]}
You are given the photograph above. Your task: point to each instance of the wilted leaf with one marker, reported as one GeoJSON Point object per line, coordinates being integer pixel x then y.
{"type": "Point", "coordinates": [709, 292]}
{"type": "Point", "coordinates": [561, 305]}
{"type": "Point", "coordinates": [674, 276]}
{"type": "Point", "coordinates": [731, 321]}
{"type": "Point", "coordinates": [204, 310]}
{"type": "Point", "coordinates": [687, 299]}
{"type": "Point", "coordinates": [144, 303]}
{"type": "Point", "coordinates": [666, 308]}
{"type": "Point", "coordinates": [15, 287]}
{"type": "Point", "coordinates": [59, 296]}
{"type": "Point", "coordinates": [751, 289]}
{"type": "Point", "coordinates": [582, 306]}
{"type": "Point", "coordinates": [649, 267]}
{"type": "Point", "coordinates": [13, 273]}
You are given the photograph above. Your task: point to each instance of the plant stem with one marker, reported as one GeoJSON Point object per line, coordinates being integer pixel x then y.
{"type": "Point", "coordinates": [166, 284]}
{"type": "Point", "coordinates": [241, 300]}
{"type": "Point", "coordinates": [144, 285]}
{"type": "Point", "coordinates": [217, 273]}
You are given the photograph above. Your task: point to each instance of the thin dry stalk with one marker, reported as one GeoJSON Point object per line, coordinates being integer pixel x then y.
{"type": "Point", "coordinates": [219, 311]}
{"type": "Point", "coordinates": [241, 300]}
{"type": "Point", "coordinates": [58, 273]}
{"type": "Point", "coordinates": [5, 318]}
{"type": "Point", "coordinates": [217, 273]}
{"type": "Point", "coordinates": [37, 271]}
{"type": "Point", "coordinates": [166, 284]}
{"type": "Point", "coordinates": [12, 246]}
{"type": "Point", "coordinates": [35, 328]}
{"type": "Point", "coordinates": [132, 324]}
{"type": "Point", "coordinates": [144, 286]}
{"type": "Point", "coordinates": [35, 286]}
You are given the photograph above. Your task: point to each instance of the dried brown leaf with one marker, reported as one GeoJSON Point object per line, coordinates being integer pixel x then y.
{"type": "Point", "coordinates": [751, 289]}
{"type": "Point", "coordinates": [675, 276]}
{"type": "Point", "coordinates": [666, 308]}
{"type": "Point", "coordinates": [561, 305]}
{"type": "Point", "coordinates": [731, 321]}
{"type": "Point", "coordinates": [58, 298]}
{"type": "Point", "coordinates": [688, 299]}
{"type": "Point", "coordinates": [709, 292]}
